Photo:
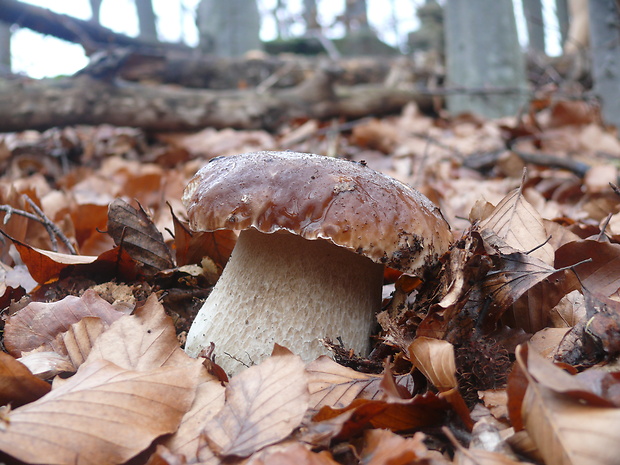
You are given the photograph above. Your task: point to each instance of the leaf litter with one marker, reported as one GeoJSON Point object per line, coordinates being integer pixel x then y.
{"type": "Point", "coordinates": [508, 355]}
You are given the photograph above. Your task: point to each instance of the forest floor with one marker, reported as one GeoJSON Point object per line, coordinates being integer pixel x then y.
{"type": "Point", "coordinates": [508, 356]}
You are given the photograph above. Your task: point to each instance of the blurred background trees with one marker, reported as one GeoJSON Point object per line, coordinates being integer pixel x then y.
{"type": "Point", "coordinates": [487, 54]}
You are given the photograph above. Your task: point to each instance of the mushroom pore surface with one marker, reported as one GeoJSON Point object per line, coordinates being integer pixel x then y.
{"type": "Point", "coordinates": [311, 228]}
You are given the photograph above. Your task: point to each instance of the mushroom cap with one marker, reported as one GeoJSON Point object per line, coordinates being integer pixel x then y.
{"type": "Point", "coordinates": [319, 197]}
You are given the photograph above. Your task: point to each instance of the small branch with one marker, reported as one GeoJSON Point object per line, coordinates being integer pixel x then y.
{"type": "Point", "coordinates": [577, 167]}
{"type": "Point", "coordinates": [53, 230]}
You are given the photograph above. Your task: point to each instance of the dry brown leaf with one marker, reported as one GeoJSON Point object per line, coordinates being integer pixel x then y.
{"type": "Point", "coordinates": [513, 275]}
{"type": "Point", "coordinates": [264, 404]}
{"type": "Point", "coordinates": [46, 365]}
{"type": "Point", "coordinates": [142, 341]}
{"type": "Point", "coordinates": [163, 456]}
{"type": "Point", "coordinates": [134, 231]}
{"type": "Point", "coordinates": [546, 341]}
{"type": "Point", "coordinates": [601, 275]}
{"type": "Point", "coordinates": [192, 246]}
{"type": "Point", "coordinates": [384, 447]}
{"type": "Point", "coordinates": [209, 400]}
{"type": "Point", "coordinates": [39, 323]}
{"type": "Point", "coordinates": [102, 415]}
{"type": "Point", "coordinates": [396, 414]}
{"type": "Point", "coordinates": [18, 386]}
{"type": "Point", "coordinates": [496, 401]}
{"type": "Point", "coordinates": [516, 222]}
{"type": "Point", "coordinates": [336, 386]}
{"type": "Point", "coordinates": [290, 453]}
{"type": "Point", "coordinates": [435, 359]}
{"type": "Point", "coordinates": [77, 342]}
{"type": "Point", "coordinates": [533, 310]}
{"type": "Point", "coordinates": [567, 429]}
{"type": "Point", "coordinates": [45, 265]}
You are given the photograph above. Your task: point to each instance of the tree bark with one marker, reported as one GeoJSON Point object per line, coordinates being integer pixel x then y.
{"type": "Point", "coordinates": [605, 46]}
{"type": "Point", "coordinates": [5, 47]}
{"type": "Point", "coordinates": [532, 10]}
{"type": "Point", "coordinates": [228, 28]}
{"type": "Point", "coordinates": [483, 53]}
{"type": "Point", "coordinates": [95, 8]}
{"type": "Point", "coordinates": [146, 20]}
{"type": "Point", "coordinates": [83, 100]}
{"type": "Point", "coordinates": [561, 10]}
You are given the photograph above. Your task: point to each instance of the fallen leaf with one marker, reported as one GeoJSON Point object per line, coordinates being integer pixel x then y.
{"type": "Point", "coordinates": [520, 226]}
{"type": "Point", "coordinates": [561, 419]}
{"type": "Point", "coordinates": [77, 342]}
{"type": "Point", "coordinates": [435, 359]}
{"type": "Point", "coordinates": [384, 447]}
{"type": "Point", "coordinates": [513, 275]}
{"type": "Point", "coordinates": [44, 265]}
{"type": "Point", "coordinates": [600, 275]}
{"type": "Point", "coordinates": [397, 415]}
{"type": "Point", "coordinates": [264, 404]}
{"type": "Point", "coordinates": [292, 453]}
{"type": "Point", "coordinates": [103, 415]}
{"type": "Point", "coordinates": [39, 323]}
{"type": "Point", "coordinates": [192, 246]}
{"type": "Point", "coordinates": [336, 386]}
{"type": "Point", "coordinates": [209, 400]}
{"type": "Point", "coordinates": [46, 365]}
{"type": "Point", "coordinates": [142, 341]}
{"type": "Point", "coordinates": [18, 386]}
{"type": "Point", "coordinates": [134, 231]}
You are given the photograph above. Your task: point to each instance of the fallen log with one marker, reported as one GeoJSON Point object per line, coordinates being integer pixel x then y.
{"type": "Point", "coordinates": [31, 104]}
{"type": "Point", "coordinates": [90, 35]}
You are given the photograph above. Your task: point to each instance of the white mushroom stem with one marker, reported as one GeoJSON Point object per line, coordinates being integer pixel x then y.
{"type": "Point", "coordinates": [281, 288]}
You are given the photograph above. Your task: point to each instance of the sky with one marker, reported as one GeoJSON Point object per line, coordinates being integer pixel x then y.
{"type": "Point", "coordinates": [44, 56]}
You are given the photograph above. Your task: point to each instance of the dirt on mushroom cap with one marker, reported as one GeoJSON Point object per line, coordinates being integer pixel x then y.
{"type": "Point", "coordinates": [316, 197]}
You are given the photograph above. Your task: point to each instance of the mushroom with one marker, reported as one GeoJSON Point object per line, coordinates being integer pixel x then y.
{"type": "Point", "coordinates": [315, 234]}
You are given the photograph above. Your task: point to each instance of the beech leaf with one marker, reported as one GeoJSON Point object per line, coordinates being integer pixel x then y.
{"type": "Point", "coordinates": [567, 429]}
{"type": "Point", "coordinates": [264, 404]}
{"type": "Point", "coordinates": [39, 323]}
{"type": "Point", "coordinates": [18, 385]}
{"type": "Point", "coordinates": [103, 415]}
{"type": "Point", "coordinates": [435, 359]}
{"type": "Point", "coordinates": [142, 341]}
{"type": "Point", "coordinates": [209, 400]}
{"type": "Point", "coordinates": [135, 232]}
{"type": "Point", "coordinates": [600, 275]}
{"type": "Point", "coordinates": [337, 386]}
{"type": "Point", "coordinates": [518, 223]}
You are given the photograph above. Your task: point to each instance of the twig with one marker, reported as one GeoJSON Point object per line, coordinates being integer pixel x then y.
{"type": "Point", "coordinates": [273, 78]}
{"type": "Point", "coordinates": [474, 91]}
{"type": "Point", "coordinates": [53, 230]}
{"type": "Point", "coordinates": [577, 167]}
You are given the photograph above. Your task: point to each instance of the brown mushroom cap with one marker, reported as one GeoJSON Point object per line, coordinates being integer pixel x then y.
{"type": "Point", "coordinates": [315, 197]}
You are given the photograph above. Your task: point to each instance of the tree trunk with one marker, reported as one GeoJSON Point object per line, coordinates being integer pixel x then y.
{"type": "Point", "coordinates": [5, 48]}
{"type": "Point", "coordinates": [605, 45]}
{"type": "Point", "coordinates": [561, 11]}
{"type": "Point", "coordinates": [356, 16]}
{"type": "Point", "coordinates": [34, 104]}
{"type": "Point", "coordinates": [95, 8]}
{"type": "Point", "coordinates": [146, 20]}
{"type": "Point", "coordinates": [483, 53]}
{"type": "Point", "coordinates": [532, 10]}
{"type": "Point", "coordinates": [310, 15]}
{"type": "Point", "coordinates": [228, 28]}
